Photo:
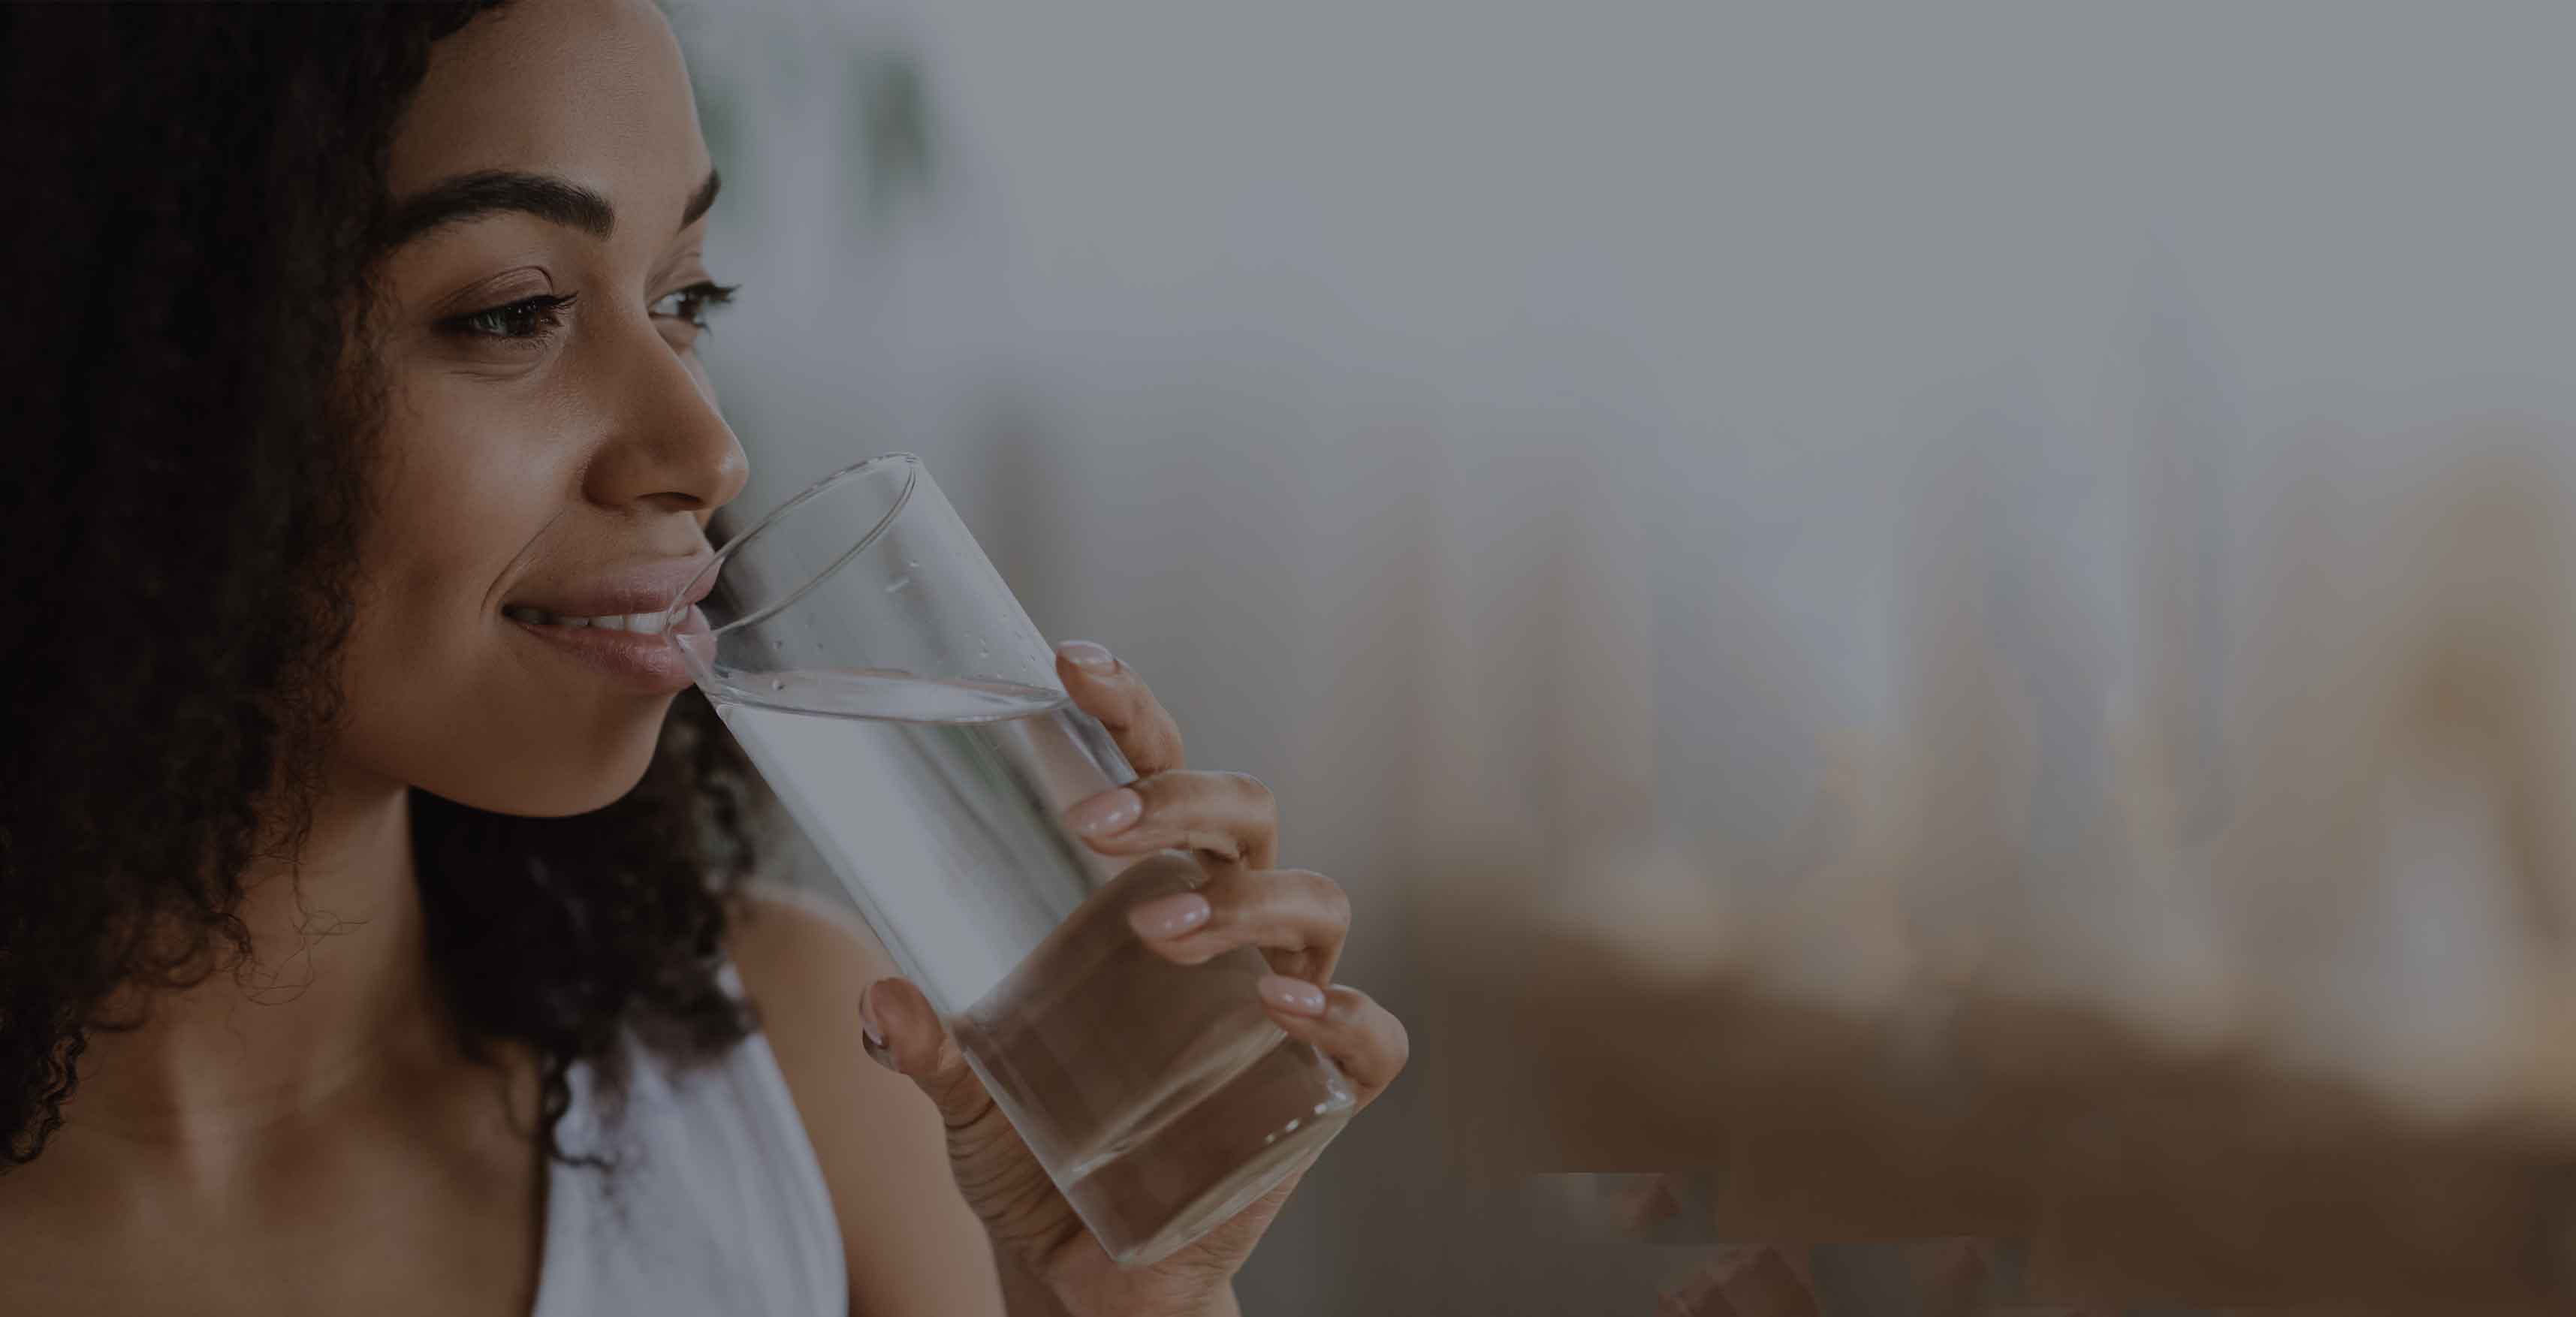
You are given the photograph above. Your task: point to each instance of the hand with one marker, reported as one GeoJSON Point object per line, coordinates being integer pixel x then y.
{"type": "Point", "coordinates": [1298, 920]}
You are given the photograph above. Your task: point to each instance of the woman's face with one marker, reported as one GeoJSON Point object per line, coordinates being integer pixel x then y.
{"type": "Point", "coordinates": [552, 449]}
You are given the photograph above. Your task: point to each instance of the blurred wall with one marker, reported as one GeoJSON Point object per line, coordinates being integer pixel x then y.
{"type": "Point", "coordinates": [1658, 471]}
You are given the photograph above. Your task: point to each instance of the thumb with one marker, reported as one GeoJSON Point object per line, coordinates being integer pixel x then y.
{"type": "Point", "coordinates": [1001, 1179]}
{"type": "Point", "coordinates": [905, 1035]}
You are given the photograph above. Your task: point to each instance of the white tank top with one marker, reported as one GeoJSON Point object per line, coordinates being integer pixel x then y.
{"type": "Point", "coordinates": [717, 1204]}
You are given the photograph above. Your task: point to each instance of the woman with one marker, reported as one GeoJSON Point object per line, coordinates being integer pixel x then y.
{"type": "Point", "coordinates": [360, 949]}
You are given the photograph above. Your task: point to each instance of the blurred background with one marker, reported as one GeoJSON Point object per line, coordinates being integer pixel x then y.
{"type": "Point", "coordinates": [1935, 641]}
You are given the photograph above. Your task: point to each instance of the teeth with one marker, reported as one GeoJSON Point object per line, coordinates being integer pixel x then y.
{"type": "Point", "coordinates": [650, 624]}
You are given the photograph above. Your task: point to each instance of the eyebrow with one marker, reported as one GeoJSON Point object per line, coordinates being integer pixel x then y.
{"type": "Point", "coordinates": [500, 191]}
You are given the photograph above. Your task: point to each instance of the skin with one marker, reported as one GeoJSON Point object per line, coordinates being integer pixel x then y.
{"type": "Point", "coordinates": [231, 1154]}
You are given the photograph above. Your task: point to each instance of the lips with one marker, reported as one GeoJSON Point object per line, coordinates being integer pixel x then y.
{"type": "Point", "coordinates": [620, 623]}
{"type": "Point", "coordinates": [622, 592]}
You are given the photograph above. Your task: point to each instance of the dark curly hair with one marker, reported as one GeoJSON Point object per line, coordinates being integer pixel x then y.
{"type": "Point", "coordinates": [199, 191]}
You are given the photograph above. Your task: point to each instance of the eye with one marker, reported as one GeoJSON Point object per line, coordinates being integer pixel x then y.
{"type": "Point", "coordinates": [525, 319]}
{"type": "Point", "coordinates": [690, 305]}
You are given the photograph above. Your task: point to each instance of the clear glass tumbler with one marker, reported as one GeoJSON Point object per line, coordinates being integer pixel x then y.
{"type": "Point", "coordinates": [891, 690]}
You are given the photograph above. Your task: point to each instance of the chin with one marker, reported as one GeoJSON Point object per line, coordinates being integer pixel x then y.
{"type": "Point", "coordinates": [565, 772]}
{"type": "Point", "coordinates": [572, 795]}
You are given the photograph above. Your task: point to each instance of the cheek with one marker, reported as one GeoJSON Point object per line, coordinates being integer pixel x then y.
{"type": "Point", "coordinates": [442, 692]}
{"type": "Point", "coordinates": [480, 715]}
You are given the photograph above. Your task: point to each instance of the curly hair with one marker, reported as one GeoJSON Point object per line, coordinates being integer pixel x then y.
{"type": "Point", "coordinates": [200, 191]}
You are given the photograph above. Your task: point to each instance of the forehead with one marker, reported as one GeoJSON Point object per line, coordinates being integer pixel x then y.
{"type": "Point", "coordinates": [592, 90]}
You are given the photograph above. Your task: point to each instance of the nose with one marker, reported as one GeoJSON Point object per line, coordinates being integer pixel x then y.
{"type": "Point", "coordinates": [667, 449]}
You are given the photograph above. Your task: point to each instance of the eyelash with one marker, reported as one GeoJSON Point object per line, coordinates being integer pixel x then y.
{"type": "Point", "coordinates": [532, 318]}
{"type": "Point", "coordinates": [528, 318]}
{"type": "Point", "coordinates": [697, 300]}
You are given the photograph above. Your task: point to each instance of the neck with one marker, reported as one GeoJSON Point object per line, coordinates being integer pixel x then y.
{"type": "Point", "coordinates": [337, 984]}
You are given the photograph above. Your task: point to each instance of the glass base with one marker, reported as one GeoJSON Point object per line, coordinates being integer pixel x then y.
{"type": "Point", "coordinates": [1161, 1190]}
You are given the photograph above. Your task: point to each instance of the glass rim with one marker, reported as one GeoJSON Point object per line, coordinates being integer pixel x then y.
{"type": "Point", "coordinates": [912, 479]}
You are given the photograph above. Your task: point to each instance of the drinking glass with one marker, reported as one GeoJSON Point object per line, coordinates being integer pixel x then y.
{"type": "Point", "coordinates": [865, 653]}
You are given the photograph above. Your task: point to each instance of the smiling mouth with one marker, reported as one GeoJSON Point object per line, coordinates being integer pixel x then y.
{"type": "Point", "coordinates": [653, 623]}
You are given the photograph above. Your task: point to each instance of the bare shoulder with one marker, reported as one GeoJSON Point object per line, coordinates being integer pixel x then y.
{"type": "Point", "coordinates": [913, 1245]}
{"type": "Point", "coordinates": [795, 950]}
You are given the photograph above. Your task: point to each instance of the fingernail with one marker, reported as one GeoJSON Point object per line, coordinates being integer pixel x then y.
{"type": "Point", "coordinates": [1169, 916]}
{"type": "Point", "coordinates": [872, 1039]}
{"type": "Point", "coordinates": [869, 1030]}
{"type": "Point", "coordinates": [1108, 812]}
{"type": "Point", "coordinates": [878, 1053]}
{"type": "Point", "coordinates": [1295, 996]}
{"type": "Point", "coordinates": [1087, 655]}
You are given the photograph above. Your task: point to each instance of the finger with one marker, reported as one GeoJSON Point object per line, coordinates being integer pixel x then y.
{"type": "Point", "coordinates": [1112, 692]}
{"type": "Point", "coordinates": [905, 1033]}
{"type": "Point", "coordinates": [1363, 1038]}
{"type": "Point", "coordinates": [1298, 918]}
{"type": "Point", "coordinates": [1231, 815]}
